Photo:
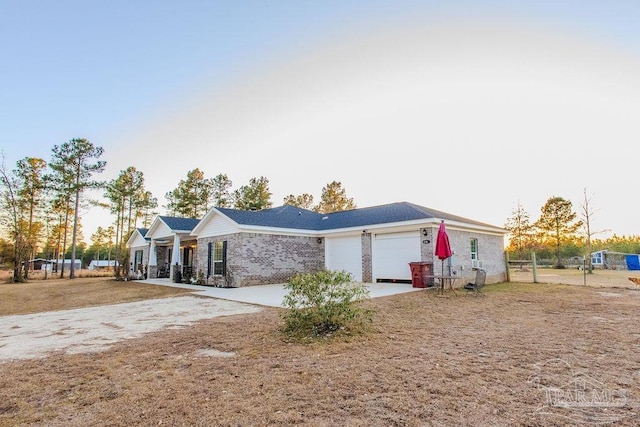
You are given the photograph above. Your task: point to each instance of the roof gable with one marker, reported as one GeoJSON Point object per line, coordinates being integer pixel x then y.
{"type": "Point", "coordinates": [137, 237]}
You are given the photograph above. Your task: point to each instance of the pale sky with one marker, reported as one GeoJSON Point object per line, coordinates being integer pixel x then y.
{"type": "Point", "coordinates": [463, 106]}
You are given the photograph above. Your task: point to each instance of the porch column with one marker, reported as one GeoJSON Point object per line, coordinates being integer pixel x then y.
{"type": "Point", "coordinates": [175, 256]}
{"type": "Point", "coordinates": [153, 259]}
{"type": "Point", "coordinates": [152, 270]}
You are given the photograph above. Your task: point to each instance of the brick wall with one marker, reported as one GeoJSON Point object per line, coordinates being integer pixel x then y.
{"type": "Point", "coordinates": [260, 259]}
{"type": "Point", "coordinates": [428, 244]}
{"type": "Point", "coordinates": [490, 252]}
{"type": "Point", "coordinates": [367, 264]}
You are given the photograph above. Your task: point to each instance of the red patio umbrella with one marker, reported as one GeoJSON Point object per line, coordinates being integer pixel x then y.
{"type": "Point", "coordinates": [443, 249]}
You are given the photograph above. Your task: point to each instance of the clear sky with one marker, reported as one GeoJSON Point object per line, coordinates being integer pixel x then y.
{"type": "Point", "coordinates": [469, 107]}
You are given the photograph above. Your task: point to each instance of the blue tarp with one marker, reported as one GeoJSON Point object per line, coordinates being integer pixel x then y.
{"type": "Point", "coordinates": [633, 262]}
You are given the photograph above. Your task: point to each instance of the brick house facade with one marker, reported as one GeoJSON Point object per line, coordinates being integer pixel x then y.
{"type": "Point", "coordinates": [237, 248]}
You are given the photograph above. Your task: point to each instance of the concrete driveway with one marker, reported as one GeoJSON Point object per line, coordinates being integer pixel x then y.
{"type": "Point", "coordinates": [272, 295]}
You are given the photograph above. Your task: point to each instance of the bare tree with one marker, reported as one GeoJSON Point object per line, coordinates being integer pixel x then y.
{"type": "Point", "coordinates": [12, 218]}
{"type": "Point", "coordinates": [587, 215]}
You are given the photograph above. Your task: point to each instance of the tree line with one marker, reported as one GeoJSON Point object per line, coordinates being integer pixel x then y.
{"type": "Point", "coordinates": [41, 202]}
{"type": "Point", "coordinates": [561, 233]}
{"type": "Point", "coordinates": [40, 209]}
{"type": "Point", "coordinates": [195, 195]}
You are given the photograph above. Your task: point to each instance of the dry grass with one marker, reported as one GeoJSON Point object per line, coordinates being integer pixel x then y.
{"type": "Point", "coordinates": [60, 294]}
{"type": "Point", "coordinates": [429, 361]}
{"type": "Point", "coordinates": [7, 275]}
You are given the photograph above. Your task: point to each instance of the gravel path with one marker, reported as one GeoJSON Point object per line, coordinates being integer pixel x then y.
{"type": "Point", "coordinates": [97, 328]}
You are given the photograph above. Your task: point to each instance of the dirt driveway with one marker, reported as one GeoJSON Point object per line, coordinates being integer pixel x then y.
{"type": "Point", "coordinates": [92, 329]}
{"type": "Point", "coordinates": [97, 328]}
{"type": "Point", "coordinates": [597, 279]}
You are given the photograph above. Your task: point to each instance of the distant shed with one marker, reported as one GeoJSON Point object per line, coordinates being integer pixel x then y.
{"type": "Point", "coordinates": [615, 260]}
{"type": "Point", "coordinates": [102, 264]}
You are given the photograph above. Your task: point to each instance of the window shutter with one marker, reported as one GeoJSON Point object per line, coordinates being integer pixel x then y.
{"type": "Point", "coordinates": [224, 258]}
{"type": "Point", "coordinates": [209, 251]}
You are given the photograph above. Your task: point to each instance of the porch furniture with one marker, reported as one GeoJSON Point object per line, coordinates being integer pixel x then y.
{"type": "Point", "coordinates": [442, 284]}
{"type": "Point", "coordinates": [475, 288]}
{"type": "Point", "coordinates": [163, 272]}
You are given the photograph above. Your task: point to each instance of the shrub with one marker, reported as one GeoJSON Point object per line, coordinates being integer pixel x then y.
{"type": "Point", "coordinates": [323, 303]}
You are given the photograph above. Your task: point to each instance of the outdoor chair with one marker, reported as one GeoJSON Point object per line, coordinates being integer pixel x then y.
{"type": "Point", "coordinates": [475, 288]}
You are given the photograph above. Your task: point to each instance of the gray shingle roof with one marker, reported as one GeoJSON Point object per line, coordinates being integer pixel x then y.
{"type": "Point", "coordinates": [390, 213]}
{"type": "Point", "coordinates": [180, 224]}
{"type": "Point", "coordinates": [286, 216]}
{"type": "Point", "coordinates": [297, 218]}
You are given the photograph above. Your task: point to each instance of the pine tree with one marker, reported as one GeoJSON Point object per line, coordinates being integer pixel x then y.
{"type": "Point", "coordinates": [334, 199]}
{"type": "Point", "coordinates": [558, 223]}
{"type": "Point", "coordinates": [254, 196]}
{"type": "Point", "coordinates": [521, 231]}
{"type": "Point", "coordinates": [304, 200]}
{"type": "Point", "coordinates": [192, 197]}
{"type": "Point", "coordinates": [73, 161]}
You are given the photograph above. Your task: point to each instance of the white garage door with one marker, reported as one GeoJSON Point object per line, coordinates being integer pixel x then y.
{"type": "Point", "coordinates": [344, 253]}
{"type": "Point", "coordinates": [392, 254]}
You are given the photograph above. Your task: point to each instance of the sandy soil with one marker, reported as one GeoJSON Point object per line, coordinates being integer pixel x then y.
{"type": "Point", "coordinates": [94, 329]}
{"type": "Point", "coordinates": [597, 279]}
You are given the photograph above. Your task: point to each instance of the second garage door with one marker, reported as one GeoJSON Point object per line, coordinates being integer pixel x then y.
{"type": "Point", "coordinates": [344, 253]}
{"type": "Point", "coordinates": [392, 254]}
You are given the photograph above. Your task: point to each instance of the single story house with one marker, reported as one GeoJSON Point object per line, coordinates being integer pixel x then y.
{"type": "Point", "coordinates": [230, 247]}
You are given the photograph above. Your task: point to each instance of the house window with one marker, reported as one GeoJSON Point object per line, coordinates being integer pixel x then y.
{"type": "Point", "coordinates": [217, 259]}
{"type": "Point", "coordinates": [474, 249]}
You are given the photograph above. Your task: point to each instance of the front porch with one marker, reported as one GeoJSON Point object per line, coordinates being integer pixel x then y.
{"type": "Point", "coordinates": [174, 261]}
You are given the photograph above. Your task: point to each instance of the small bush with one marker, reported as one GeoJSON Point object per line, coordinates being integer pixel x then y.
{"type": "Point", "coordinates": [324, 303]}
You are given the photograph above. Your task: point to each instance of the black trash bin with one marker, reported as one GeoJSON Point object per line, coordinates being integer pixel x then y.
{"type": "Point", "coordinates": [177, 276]}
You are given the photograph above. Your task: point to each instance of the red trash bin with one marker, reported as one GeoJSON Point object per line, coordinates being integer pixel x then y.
{"type": "Point", "coordinates": [418, 272]}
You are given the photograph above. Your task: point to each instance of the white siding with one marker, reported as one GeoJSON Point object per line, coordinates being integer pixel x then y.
{"type": "Point", "coordinates": [218, 226]}
{"type": "Point", "coordinates": [344, 253]}
{"type": "Point", "coordinates": [392, 254]}
{"type": "Point", "coordinates": [138, 240]}
{"type": "Point", "coordinates": [162, 230]}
